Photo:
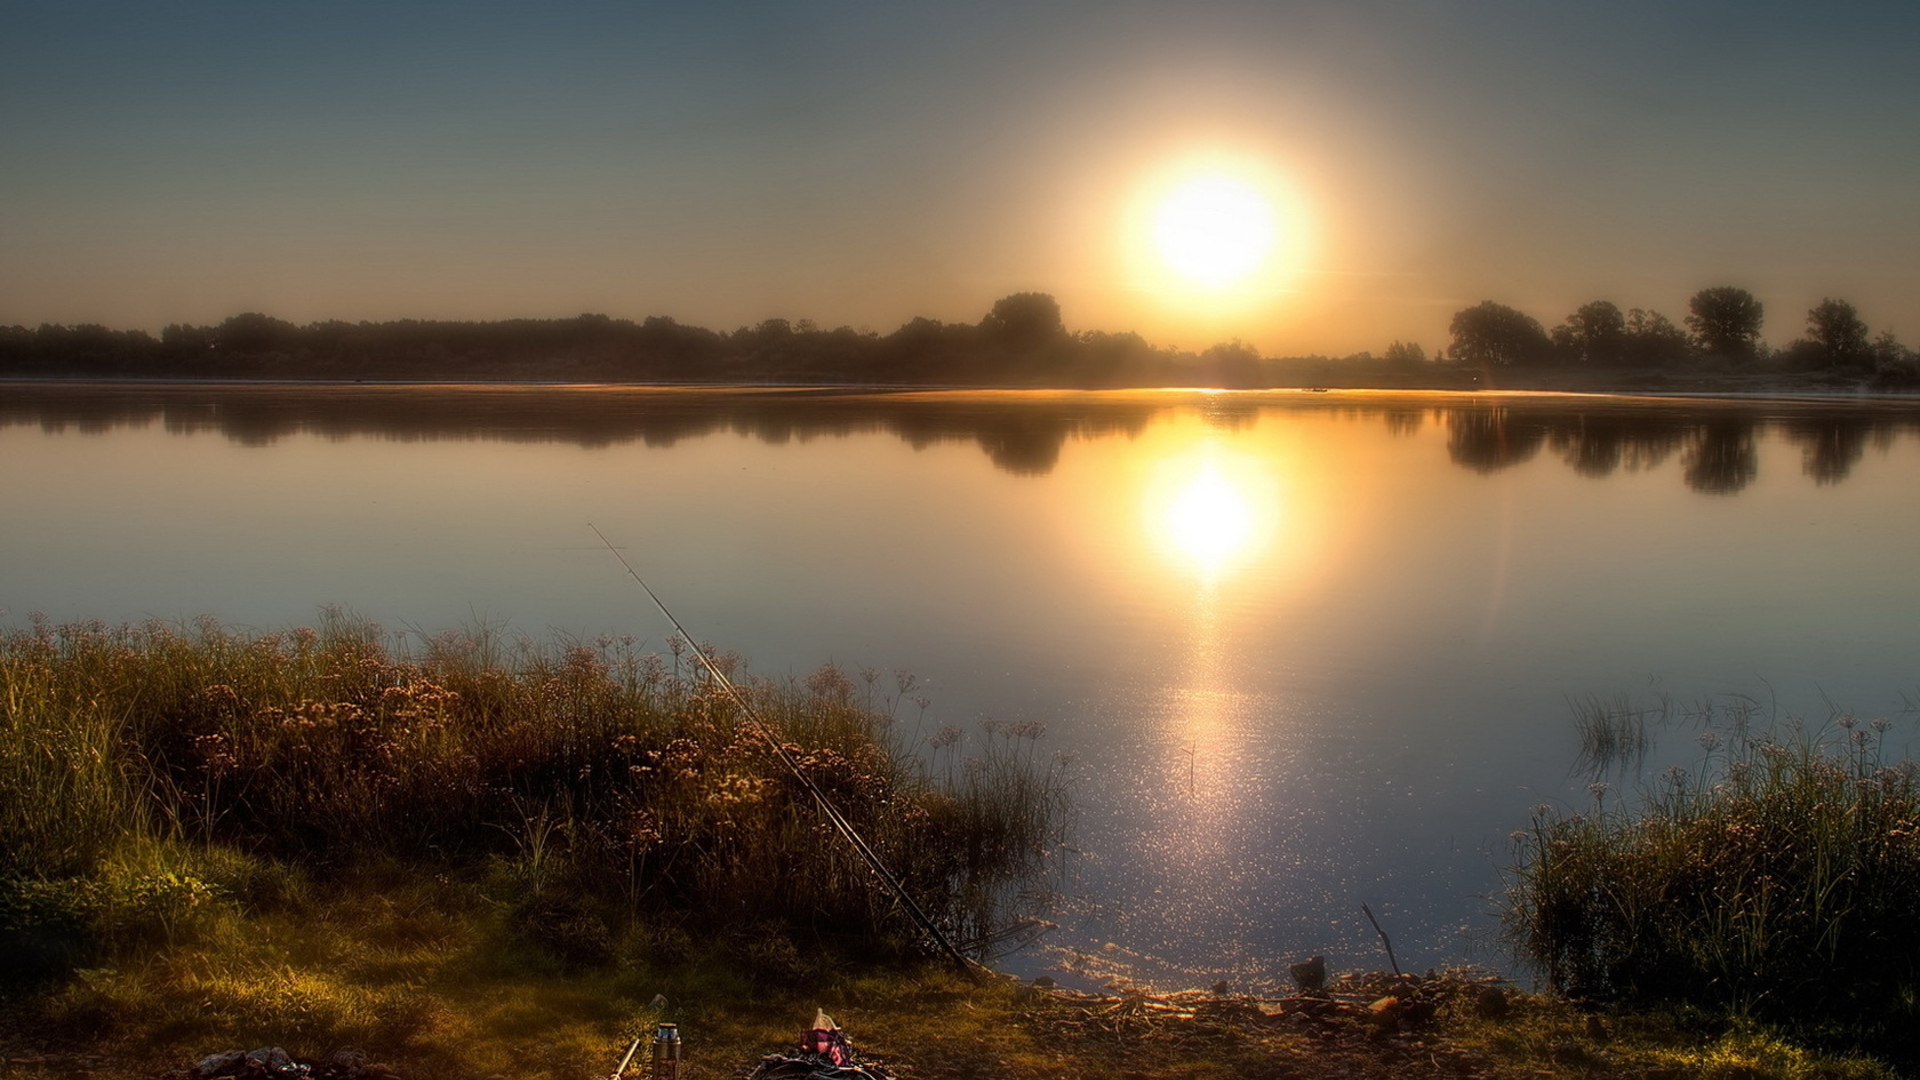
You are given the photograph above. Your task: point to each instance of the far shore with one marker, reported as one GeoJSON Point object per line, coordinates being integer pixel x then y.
{"type": "Point", "coordinates": [1769, 385]}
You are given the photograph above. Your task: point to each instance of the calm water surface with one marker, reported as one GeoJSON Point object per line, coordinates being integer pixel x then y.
{"type": "Point", "coordinates": [1308, 650]}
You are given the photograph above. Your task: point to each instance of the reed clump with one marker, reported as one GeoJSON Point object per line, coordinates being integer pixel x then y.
{"type": "Point", "coordinates": [607, 801]}
{"type": "Point", "coordinates": [1779, 880]}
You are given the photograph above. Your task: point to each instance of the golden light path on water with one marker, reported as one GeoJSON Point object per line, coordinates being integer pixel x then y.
{"type": "Point", "coordinates": [1213, 512]}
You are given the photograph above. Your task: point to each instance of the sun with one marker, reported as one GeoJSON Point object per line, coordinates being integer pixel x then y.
{"type": "Point", "coordinates": [1213, 242]}
{"type": "Point", "coordinates": [1214, 230]}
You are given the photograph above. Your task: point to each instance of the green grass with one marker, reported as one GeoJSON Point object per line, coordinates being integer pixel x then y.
{"type": "Point", "coordinates": [428, 977]}
{"type": "Point", "coordinates": [1779, 880]}
{"type": "Point", "coordinates": [609, 802]}
{"type": "Point", "coordinates": [1547, 1036]}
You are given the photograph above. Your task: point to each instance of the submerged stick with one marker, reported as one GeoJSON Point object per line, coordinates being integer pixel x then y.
{"type": "Point", "coordinates": [1383, 937]}
{"type": "Point", "coordinates": [832, 813]}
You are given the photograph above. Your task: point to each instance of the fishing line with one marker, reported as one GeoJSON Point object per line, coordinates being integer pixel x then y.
{"type": "Point", "coordinates": [840, 823]}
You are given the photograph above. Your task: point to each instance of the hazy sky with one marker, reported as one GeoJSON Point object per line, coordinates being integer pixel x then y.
{"type": "Point", "coordinates": [861, 163]}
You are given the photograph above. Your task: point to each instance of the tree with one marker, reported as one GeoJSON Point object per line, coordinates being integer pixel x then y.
{"type": "Point", "coordinates": [1888, 350]}
{"type": "Point", "coordinates": [252, 332]}
{"type": "Point", "coordinates": [1234, 365]}
{"type": "Point", "coordinates": [1026, 320]}
{"type": "Point", "coordinates": [1835, 328]}
{"type": "Point", "coordinates": [184, 339]}
{"type": "Point", "coordinates": [1725, 321]}
{"type": "Point", "coordinates": [1652, 339]}
{"type": "Point", "coordinates": [1596, 334]}
{"type": "Point", "coordinates": [1406, 354]}
{"type": "Point", "coordinates": [1490, 333]}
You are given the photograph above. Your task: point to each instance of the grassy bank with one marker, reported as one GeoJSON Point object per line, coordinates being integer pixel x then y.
{"type": "Point", "coordinates": [615, 805]}
{"type": "Point", "coordinates": [422, 981]}
{"type": "Point", "coordinates": [1779, 880]}
{"type": "Point", "coordinates": [479, 857]}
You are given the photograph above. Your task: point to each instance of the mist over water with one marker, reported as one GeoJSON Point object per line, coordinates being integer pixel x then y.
{"type": "Point", "coordinates": [1309, 650]}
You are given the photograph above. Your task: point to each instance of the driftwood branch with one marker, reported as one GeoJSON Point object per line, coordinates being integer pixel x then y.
{"type": "Point", "coordinates": [1383, 937]}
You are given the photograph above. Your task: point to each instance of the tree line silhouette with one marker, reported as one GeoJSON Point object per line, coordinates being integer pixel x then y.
{"type": "Point", "coordinates": [1722, 333]}
{"type": "Point", "coordinates": [1020, 342]}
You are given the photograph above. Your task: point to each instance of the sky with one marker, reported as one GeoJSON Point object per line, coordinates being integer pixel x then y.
{"type": "Point", "coordinates": [861, 163]}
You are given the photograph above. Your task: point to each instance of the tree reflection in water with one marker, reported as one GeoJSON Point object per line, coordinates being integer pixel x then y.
{"type": "Point", "coordinates": [1021, 432]}
{"type": "Point", "coordinates": [1724, 459]}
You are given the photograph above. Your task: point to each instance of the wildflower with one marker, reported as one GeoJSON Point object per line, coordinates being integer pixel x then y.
{"type": "Point", "coordinates": [1880, 724]}
{"type": "Point", "coordinates": [1848, 721]}
{"type": "Point", "coordinates": [1708, 740]}
{"type": "Point", "coordinates": [1599, 790]}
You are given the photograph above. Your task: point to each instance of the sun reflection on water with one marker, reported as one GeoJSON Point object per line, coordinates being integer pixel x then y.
{"type": "Point", "coordinates": [1226, 525]}
{"type": "Point", "coordinates": [1212, 511]}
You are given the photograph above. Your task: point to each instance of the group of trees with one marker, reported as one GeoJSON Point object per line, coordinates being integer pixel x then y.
{"type": "Point", "coordinates": [1021, 341]}
{"type": "Point", "coordinates": [1722, 323]}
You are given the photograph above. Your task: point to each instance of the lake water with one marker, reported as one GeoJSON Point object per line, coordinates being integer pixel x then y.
{"type": "Point", "coordinates": [1309, 650]}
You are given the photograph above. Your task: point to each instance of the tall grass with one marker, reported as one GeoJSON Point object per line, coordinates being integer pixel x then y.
{"type": "Point", "coordinates": [65, 799]}
{"type": "Point", "coordinates": [1778, 879]}
{"type": "Point", "coordinates": [599, 792]}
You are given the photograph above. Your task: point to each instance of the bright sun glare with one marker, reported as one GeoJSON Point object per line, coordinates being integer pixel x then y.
{"type": "Point", "coordinates": [1214, 230]}
{"type": "Point", "coordinates": [1209, 520]}
{"type": "Point", "coordinates": [1211, 510]}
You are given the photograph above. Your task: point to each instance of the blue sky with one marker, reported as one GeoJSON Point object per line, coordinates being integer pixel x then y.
{"type": "Point", "coordinates": [861, 163]}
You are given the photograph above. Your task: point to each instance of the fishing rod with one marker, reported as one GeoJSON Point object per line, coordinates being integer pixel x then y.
{"type": "Point", "coordinates": [832, 813]}
{"type": "Point", "coordinates": [632, 1048]}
